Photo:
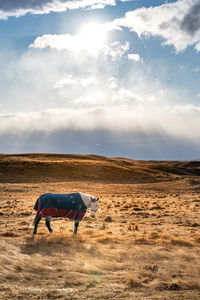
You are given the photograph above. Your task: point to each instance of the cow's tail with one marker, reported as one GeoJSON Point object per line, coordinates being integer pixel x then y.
{"type": "Point", "coordinates": [35, 218]}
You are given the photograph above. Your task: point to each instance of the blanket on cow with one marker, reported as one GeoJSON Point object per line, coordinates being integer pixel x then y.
{"type": "Point", "coordinates": [61, 205]}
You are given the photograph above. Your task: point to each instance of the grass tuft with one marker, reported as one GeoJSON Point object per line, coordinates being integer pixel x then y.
{"type": "Point", "coordinates": [132, 280]}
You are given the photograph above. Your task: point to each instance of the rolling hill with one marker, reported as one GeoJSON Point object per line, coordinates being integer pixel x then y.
{"type": "Point", "coordinates": [69, 167]}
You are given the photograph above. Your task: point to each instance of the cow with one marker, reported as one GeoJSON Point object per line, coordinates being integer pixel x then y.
{"type": "Point", "coordinates": [72, 206]}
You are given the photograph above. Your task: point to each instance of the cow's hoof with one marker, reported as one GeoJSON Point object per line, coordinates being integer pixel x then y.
{"type": "Point", "coordinates": [33, 236]}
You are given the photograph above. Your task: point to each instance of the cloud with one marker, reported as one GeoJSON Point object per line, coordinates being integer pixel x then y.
{"type": "Point", "coordinates": [85, 82]}
{"type": "Point", "coordinates": [175, 120]}
{"type": "Point", "coordinates": [67, 81]}
{"type": "Point", "coordinates": [191, 21]}
{"type": "Point", "coordinates": [168, 133]}
{"type": "Point", "coordinates": [135, 57]}
{"type": "Point", "coordinates": [177, 23]}
{"type": "Point", "coordinates": [136, 145]}
{"type": "Point", "coordinates": [186, 109]}
{"type": "Point", "coordinates": [96, 6]}
{"type": "Point", "coordinates": [76, 81]}
{"type": "Point", "coordinates": [116, 50]}
{"type": "Point", "coordinates": [126, 97]}
{"type": "Point", "coordinates": [196, 69]}
{"type": "Point", "coordinates": [91, 39]}
{"type": "Point", "coordinates": [60, 42]}
{"type": "Point", "coordinates": [78, 43]}
{"type": "Point", "coordinates": [90, 98]}
{"type": "Point", "coordinates": [18, 8]}
{"type": "Point", "coordinates": [113, 82]}
{"type": "Point", "coordinates": [197, 47]}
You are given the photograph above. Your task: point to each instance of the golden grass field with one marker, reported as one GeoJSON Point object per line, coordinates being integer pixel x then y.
{"type": "Point", "coordinates": [143, 244]}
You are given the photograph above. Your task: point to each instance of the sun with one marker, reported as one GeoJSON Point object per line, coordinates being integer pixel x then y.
{"type": "Point", "coordinates": [93, 36]}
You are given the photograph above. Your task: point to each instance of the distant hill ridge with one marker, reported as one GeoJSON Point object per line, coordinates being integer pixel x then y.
{"type": "Point", "coordinates": [33, 167]}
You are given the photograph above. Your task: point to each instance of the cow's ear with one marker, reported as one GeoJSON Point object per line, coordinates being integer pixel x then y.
{"type": "Point", "coordinates": [98, 199]}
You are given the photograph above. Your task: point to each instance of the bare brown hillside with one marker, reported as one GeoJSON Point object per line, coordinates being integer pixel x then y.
{"type": "Point", "coordinates": [54, 168]}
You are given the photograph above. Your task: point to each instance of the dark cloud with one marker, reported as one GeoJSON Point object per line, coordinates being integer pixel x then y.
{"type": "Point", "coordinates": [136, 145]}
{"type": "Point", "coordinates": [191, 21]}
{"type": "Point", "coordinates": [21, 7]}
{"type": "Point", "coordinates": [12, 5]}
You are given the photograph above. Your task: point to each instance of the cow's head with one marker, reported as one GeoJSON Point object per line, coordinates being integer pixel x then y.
{"type": "Point", "coordinates": [94, 206]}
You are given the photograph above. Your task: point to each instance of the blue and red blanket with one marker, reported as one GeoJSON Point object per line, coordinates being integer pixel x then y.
{"type": "Point", "coordinates": [61, 205]}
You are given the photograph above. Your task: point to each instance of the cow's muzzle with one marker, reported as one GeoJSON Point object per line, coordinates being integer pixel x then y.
{"type": "Point", "coordinates": [93, 213]}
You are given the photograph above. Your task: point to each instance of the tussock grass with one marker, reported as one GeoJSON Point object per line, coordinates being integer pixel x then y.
{"type": "Point", "coordinates": [167, 238]}
{"type": "Point", "coordinates": [197, 239]}
{"type": "Point", "coordinates": [133, 226]}
{"type": "Point", "coordinates": [9, 234]}
{"type": "Point", "coordinates": [186, 242]}
{"type": "Point", "coordinates": [132, 280]}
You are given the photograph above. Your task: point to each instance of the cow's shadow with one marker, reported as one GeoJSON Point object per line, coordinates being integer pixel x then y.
{"type": "Point", "coordinates": [55, 243]}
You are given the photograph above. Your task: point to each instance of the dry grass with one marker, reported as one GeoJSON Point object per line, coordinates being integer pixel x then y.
{"type": "Point", "coordinates": [144, 242]}
{"type": "Point", "coordinates": [132, 280]}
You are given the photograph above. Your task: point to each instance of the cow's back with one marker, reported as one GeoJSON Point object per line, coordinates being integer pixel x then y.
{"type": "Point", "coordinates": [52, 204]}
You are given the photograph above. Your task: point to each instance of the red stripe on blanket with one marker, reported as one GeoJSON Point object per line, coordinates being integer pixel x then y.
{"type": "Point", "coordinates": [80, 216]}
{"type": "Point", "coordinates": [54, 212]}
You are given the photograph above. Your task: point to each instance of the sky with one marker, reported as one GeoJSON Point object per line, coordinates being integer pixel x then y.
{"type": "Point", "coordinates": [118, 78]}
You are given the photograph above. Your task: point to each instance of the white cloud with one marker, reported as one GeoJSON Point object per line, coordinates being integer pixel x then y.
{"type": "Point", "coordinates": [196, 69]}
{"type": "Point", "coordinates": [68, 80]}
{"type": "Point", "coordinates": [127, 99]}
{"type": "Point", "coordinates": [197, 47]}
{"type": "Point", "coordinates": [118, 106]}
{"type": "Point", "coordinates": [91, 39]}
{"type": "Point", "coordinates": [135, 57]}
{"type": "Point", "coordinates": [162, 92]}
{"type": "Point", "coordinates": [72, 77]}
{"type": "Point", "coordinates": [89, 94]}
{"type": "Point", "coordinates": [116, 49]}
{"type": "Point", "coordinates": [177, 23]}
{"type": "Point", "coordinates": [60, 42]}
{"type": "Point", "coordinates": [177, 121]}
{"type": "Point", "coordinates": [18, 8]}
{"type": "Point", "coordinates": [78, 43]}
{"type": "Point", "coordinates": [186, 109]}
{"type": "Point", "coordinates": [113, 82]}
{"type": "Point", "coordinates": [96, 6]}
{"type": "Point", "coordinates": [88, 81]}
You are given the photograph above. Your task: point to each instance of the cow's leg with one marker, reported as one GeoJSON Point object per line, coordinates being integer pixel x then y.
{"type": "Point", "coordinates": [48, 219]}
{"type": "Point", "coordinates": [36, 222]}
{"type": "Point", "coordinates": [76, 223]}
